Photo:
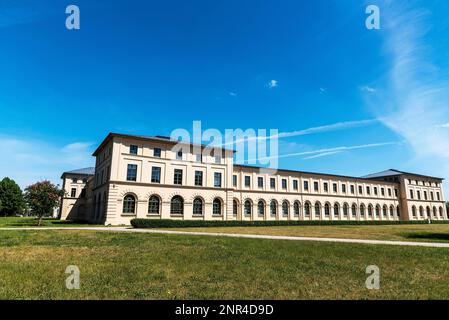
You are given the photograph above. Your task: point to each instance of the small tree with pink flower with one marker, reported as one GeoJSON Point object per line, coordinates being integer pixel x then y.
{"type": "Point", "coordinates": [42, 197]}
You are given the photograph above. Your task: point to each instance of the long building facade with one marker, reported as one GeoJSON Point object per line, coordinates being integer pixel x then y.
{"type": "Point", "coordinates": [146, 177]}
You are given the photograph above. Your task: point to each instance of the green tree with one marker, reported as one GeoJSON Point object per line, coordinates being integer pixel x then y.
{"type": "Point", "coordinates": [447, 208]}
{"type": "Point", "coordinates": [11, 197]}
{"type": "Point", "coordinates": [42, 197]}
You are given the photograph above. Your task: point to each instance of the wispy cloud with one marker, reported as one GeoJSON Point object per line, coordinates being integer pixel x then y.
{"type": "Point", "coordinates": [233, 94]}
{"type": "Point", "coordinates": [272, 84]}
{"type": "Point", "coordinates": [27, 161]}
{"type": "Point", "coordinates": [416, 90]}
{"type": "Point", "coordinates": [368, 89]}
{"type": "Point", "coordinates": [320, 155]}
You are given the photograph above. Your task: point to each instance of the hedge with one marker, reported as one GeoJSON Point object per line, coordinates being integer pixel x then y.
{"type": "Point", "coordinates": [166, 223]}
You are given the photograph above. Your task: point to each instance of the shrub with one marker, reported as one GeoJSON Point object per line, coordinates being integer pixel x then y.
{"type": "Point", "coordinates": [166, 223]}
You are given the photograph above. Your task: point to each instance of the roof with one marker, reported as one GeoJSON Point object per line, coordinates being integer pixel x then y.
{"type": "Point", "coordinates": [394, 172]}
{"type": "Point", "coordinates": [151, 138]}
{"type": "Point", "coordinates": [90, 171]}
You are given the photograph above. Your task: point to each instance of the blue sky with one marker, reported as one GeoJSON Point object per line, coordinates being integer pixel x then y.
{"type": "Point", "coordinates": [149, 67]}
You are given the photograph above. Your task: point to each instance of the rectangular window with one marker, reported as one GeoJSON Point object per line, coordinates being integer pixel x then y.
{"type": "Point", "coordinates": [425, 195]}
{"type": "Point", "coordinates": [131, 175]}
{"type": "Point", "coordinates": [284, 184]}
{"type": "Point", "coordinates": [133, 149]}
{"type": "Point", "coordinates": [247, 181]}
{"type": "Point", "coordinates": [198, 178]}
{"type": "Point", "coordinates": [260, 182]}
{"type": "Point", "coordinates": [382, 191]}
{"type": "Point", "coordinates": [389, 192]}
{"type": "Point", "coordinates": [156, 174]}
{"type": "Point", "coordinates": [334, 187]}
{"type": "Point", "coordinates": [368, 190]}
{"type": "Point", "coordinates": [234, 180]}
{"type": "Point", "coordinates": [73, 193]}
{"type": "Point", "coordinates": [315, 186]}
{"type": "Point", "coordinates": [217, 179]}
{"type": "Point", "coordinates": [157, 152]}
{"type": "Point", "coordinates": [360, 190]}
{"type": "Point", "coordinates": [396, 193]}
{"type": "Point", "coordinates": [418, 194]}
{"type": "Point", "coordinates": [326, 187]}
{"type": "Point", "coordinates": [438, 196]}
{"type": "Point", "coordinates": [431, 196]}
{"type": "Point", "coordinates": [411, 194]}
{"type": "Point", "coordinates": [306, 185]}
{"type": "Point", "coordinates": [343, 188]}
{"type": "Point", "coordinates": [272, 183]}
{"type": "Point", "coordinates": [295, 184]}
{"type": "Point", "coordinates": [352, 189]}
{"type": "Point", "coordinates": [375, 191]}
{"type": "Point", "coordinates": [178, 177]}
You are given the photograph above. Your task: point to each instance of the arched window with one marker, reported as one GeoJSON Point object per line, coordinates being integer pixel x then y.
{"type": "Point", "coordinates": [273, 207]}
{"type": "Point", "coordinates": [398, 211]}
{"type": "Point", "coordinates": [354, 210]}
{"type": "Point", "coordinates": [421, 211]}
{"type": "Point", "coordinates": [362, 210]}
{"type": "Point", "coordinates": [235, 207]}
{"type": "Point", "coordinates": [435, 212]}
{"type": "Point", "coordinates": [296, 208]}
{"type": "Point", "coordinates": [177, 205]}
{"type": "Point", "coordinates": [307, 209]}
{"type": "Point", "coordinates": [317, 209]}
{"type": "Point", "coordinates": [377, 211]}
{"type": "Point", "coordinates": [370, 210]}
{"type": "Point", "coordinates": [385, 211]}
{"type": "Point", "coordinates": [327, 209]}
{"type": "Point", "coordinates": [153, 204]}
{"type": "Point", "coordinates": [285, 208]}
{"type": "Point", "coordinates": [129, 204]}
{"type": "Point", "coordinates": [336, 209]}
{"type": "Point", "coordinates": [345, 210]}
{"type": "Point", "coordinates": [198, 206]}
{"type": "Point", "coordinates": [441, 212]}
{"type": "Point", "coordinates": [414, 212]}
{"type": "Point", "coordinates": [261, 208]}
{"type": "Point", "coordinates": [247, 208]}
{"type": "Point", "coordinates": [216, 207]}
{"type": "Point", "coordinates": [428, 213]}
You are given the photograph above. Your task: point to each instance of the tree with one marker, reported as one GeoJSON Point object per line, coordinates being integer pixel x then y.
{"type": "Point", "coordinates": [447, 208]}
{"type": "Point", "coordinates": [11, 197]}
{"type": "Point", "coordinates": [42, 197]}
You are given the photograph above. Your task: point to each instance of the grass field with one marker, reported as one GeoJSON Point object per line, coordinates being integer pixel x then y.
{"type": "Point", "coordinates": [422, 232]}
{"type": "Point", "coordinates": [11, 222]}
{"type": "Point", "coordinates": [151, 266]}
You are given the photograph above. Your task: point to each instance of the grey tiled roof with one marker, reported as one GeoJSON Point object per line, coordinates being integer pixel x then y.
{"type": "Point", "coordinates": [86, 171]}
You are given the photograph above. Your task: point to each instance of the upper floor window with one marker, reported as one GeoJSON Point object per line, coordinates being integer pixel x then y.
{"type": "Point", "coordinates": [178, 177]}
{"type": "Point", "coordinates": [335, 187]}
{"type": "Point", "coordinates": [260, 182]}
{"type": "Point", "coordinates": [425, 195]}
{"type": "Point", "coordinates": [131, 174]}
{"type": "Point", "coordinates": [74, 180]}
{"type": "Point", "coordinates": [368, 190]}
{"type": "Point", "coordinates": [73, 193]}
{"type": "Point", "coordinates": [411, 194]}
{"type": "Point", "coordinates": [438, 196]}
{"type": "Point", "coordinates": [133, 149]}
{"type": "Point", "coordinates": [157, 152]}
{"type": "Point", "coordinates": [389, 192]}
{"type": "Point", "coordinates": [315, 186]}
{"type": "Point", "coordinates": [295, 184]}
{"type": "Point", "coordinates": [382, 191]}
{"type": "Point", "coordinates": [326, 187]}
{"type": "Point", "coordinates": [360, 190]}
{"type": "Point", "coordinates": [375, 191]}
{"type": "Point", "coordinates": [306, 185]}
{"type": "Point", "coordinates": [284, 184]}
{"type": "Point", "coordinates": [343, 188]}
{"type": "Point", "coordinates": [272, 183]}
{"type": "Point", "coordinates": [431, 196]}
{"type": "Point", "coordinates": [352, 189]}
{"type": "Point", "coordinates": [247, 181]}
{"type": "Point", "coordinates": [198, 178]}
{"type": "Point", "coordinates": [217, 179]}
{"type": "Point", "coordinates": [234, 180]}
{"type": "Point", "coordinates": [156, 174]}
{"type": "Point", "coordinates": [418, 195]}
{"type": "Point", "coordinates": [179, 155]}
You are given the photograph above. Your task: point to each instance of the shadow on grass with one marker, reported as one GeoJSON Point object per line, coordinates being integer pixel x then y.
{"type": "Point", "coordinates": [427, 235]}
{"type": "Point", "coordinates": [45, 222]}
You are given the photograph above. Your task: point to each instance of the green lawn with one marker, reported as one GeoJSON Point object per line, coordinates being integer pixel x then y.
{"type": "Point", "coordinates": [11, 222]}
{"type": "Point", "coordinates": [420, 232]}
{"type": "Point", "coordinates": [151, 266]}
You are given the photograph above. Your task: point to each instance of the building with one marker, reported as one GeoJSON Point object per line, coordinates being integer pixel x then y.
{"type": "Point", "coordinates": [146, 177]}
{"type": "Point", "coordinates": [77, 200]}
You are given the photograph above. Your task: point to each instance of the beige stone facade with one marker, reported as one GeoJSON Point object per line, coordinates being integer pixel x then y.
{"type": "Point", "coordinates": [146, 177]}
